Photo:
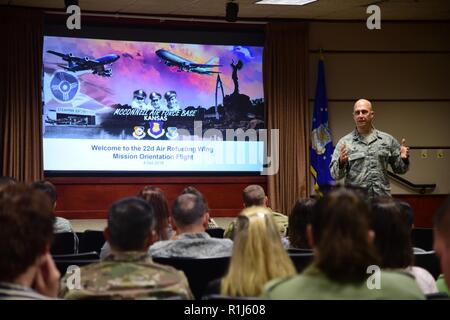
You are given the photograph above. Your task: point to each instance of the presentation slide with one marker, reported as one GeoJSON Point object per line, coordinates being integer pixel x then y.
{"type": "Point", "coordinates": [133, 106]}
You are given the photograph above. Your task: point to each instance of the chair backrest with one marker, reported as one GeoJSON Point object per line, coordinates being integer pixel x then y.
{"type": "Point", "coordinates": [64, 243]}
{"type": "Point", "coordinates": [91, 240]}
{"type": "Point", "coordinates": [428, 261]}
{"type": "Point", "coordinates": [301, 260]}
{"type": "Point", "coordinates": [298, 250]}
{"type": "Point", "coordinates": [93, 255]}
{"type": "Point", "coordinates": [199, 272]}
{"type": "Point", "coordinates": [437, 296]}
{"type": "Point", "coordinates": [215, 232]}
{"type": "Point", "coordinates": [422, 238]}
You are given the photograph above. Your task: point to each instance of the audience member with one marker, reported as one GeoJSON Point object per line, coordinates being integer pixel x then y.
{"type": "Point", "coordinates": [129, 272]}
{"type": "Point", "coordinates": [27, 270]}
{"type": "Point", "coordinates": [157, 200]}
{"type": "Point", "coordinates": [61, 224]}
{"type": "Point", "coordinates": [6, 181]}
{"type": "Point", "coordinates": [393, 241]}
{"type": "Point", "coordinates": [190, 220]}
{"type": "Point", "coordinates": [441, 231]}
{"type": "Point", "coordinates": [193, 190]}
{"type": "Point", "coordinates": [342, 241]}
{"type": "Point", "coordinates": [299, 218]}
{"type": "Point", "coordinates": [258, 256]}
{"type": "Point", "coordinates": [254, 195]}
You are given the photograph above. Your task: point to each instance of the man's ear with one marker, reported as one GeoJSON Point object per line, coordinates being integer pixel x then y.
{"type": "Point", "coordinates": [266, 201]}
{"type": "Point", "coordinates": [206, 220]}
{"type": "Point", "coordinates": [173, 223]}
{"type": "Point", "coordinates": [151, 239]}
{"type": "Point", "coordinates": [310, 236]}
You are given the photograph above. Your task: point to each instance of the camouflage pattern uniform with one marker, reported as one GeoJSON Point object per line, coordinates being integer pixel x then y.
{"type": "Point", "coordinates": [128, 275]}
{"type": "Point", "coordinates": [280, 220]}
{"type": "Point", "coordinates": [368, 161]}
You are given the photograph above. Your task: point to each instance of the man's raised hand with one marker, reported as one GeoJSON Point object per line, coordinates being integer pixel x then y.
{"type": "Point", "coordinates": [404, 150]}
{"type": "Point", "coordinates": [343, 156]}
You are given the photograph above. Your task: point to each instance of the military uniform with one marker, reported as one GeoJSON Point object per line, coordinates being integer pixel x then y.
{"type": "Point", "coordinates": [128, 275]}
{"type": "Point", "coordinates": [368, 160]}
{"type": "Point", "coordinates": [312, 284]}
{"type": "Point", "coordinates": [280, 220]}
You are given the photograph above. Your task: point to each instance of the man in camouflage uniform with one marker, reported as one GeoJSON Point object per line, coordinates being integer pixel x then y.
{"type": "Point", "coordinates": [254, 195]}
{"type": "Point", "coordinates": [363, 155]}
{"type": "Point", "coordinates": [128, 272]}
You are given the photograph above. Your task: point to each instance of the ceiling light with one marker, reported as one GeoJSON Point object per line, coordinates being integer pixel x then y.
{"type": "Point", "coordinates": [286, 2]}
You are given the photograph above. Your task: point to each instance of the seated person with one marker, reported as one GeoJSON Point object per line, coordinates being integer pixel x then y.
{"type": "Point", "coordinates": [254, 195]}
{"type": "Point", "coordinates": [61, 224]}
{"type": "Point", "coordinates": [27, 270]}
{"type": "Point", "coordinates": [393, 241]}
{"type": "Point", "coordinates": [157, 200]}
{"type": "Point", "coordinates": [190, 220]}
{"type": "Point", "coordinates": [6, 181]}
{"type": "Point", "coordinates": [193, 190]}
{"type": "Point", "coordinates": [343, 250]}
{"type": "Point", "coordinates": [258, 256]}
{"type": "Point", "coordinates": [299, 218]}
{"type": "Point", "coordinates": [441, 245]}
{"type": "Point", "coordinates": [129, 272]}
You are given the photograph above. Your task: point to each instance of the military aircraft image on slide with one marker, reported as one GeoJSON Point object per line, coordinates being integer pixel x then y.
{"type": "Point", "coordinates": [80, 64]}
{"type": "Point", "coordinates": [183, 64]}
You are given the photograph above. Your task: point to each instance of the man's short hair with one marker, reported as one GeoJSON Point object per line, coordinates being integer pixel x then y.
{"type": "Point", "coordinates": [188, 209]}
{"type": "Point", "coordinates": [130, 221]}
{"type": "Point", "coordinates": [26, 229]}
{"type": "Point", "coordinates": [253, 195]}
{"type": "Point", "coordinates": [441, 221]}
{"type": "Point", "coordinates": [195, 191]}
{"type": "Point", "coordinates": [48, 188]}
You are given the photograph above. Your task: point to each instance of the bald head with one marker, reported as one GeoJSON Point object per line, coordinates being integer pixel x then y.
{"type": "Point", "coordinates": [363, 115]}
{"type": "Point", "coordinates": [363, 102]}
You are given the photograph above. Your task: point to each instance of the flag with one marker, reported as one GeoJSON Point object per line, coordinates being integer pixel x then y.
{"type": "Point", "coordinates": [322, 148]}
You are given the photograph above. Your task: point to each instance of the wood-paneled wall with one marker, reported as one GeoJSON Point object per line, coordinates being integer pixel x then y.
{"type": "Point", "coordinates": [90, 197]}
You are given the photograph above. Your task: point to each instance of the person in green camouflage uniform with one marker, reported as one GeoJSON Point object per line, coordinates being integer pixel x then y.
{"type": "Point", "coordinates": [254, 195]}
{"type": "Point", "coordinates": [362, 156]}
{"type": "Point", "coordinates": [128, 272]}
